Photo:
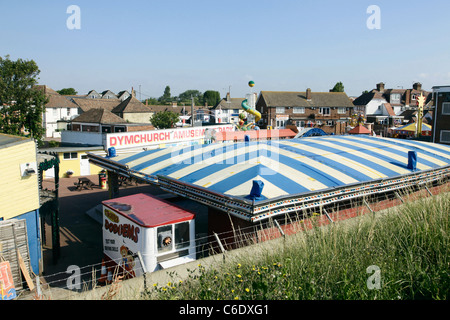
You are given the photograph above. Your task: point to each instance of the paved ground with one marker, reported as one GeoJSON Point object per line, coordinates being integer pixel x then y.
{"type": "Point", "coordinates": [81, 236]}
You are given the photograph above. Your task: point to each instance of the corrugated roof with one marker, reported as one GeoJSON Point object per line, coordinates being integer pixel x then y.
{"type": "Point", "coordinates": [297, 173]}
{"type": "Point", "coordinates": [288, 166]}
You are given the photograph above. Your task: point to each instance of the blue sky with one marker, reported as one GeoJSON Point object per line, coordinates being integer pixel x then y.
{"type": "Point", "coordinates": [211, 45]}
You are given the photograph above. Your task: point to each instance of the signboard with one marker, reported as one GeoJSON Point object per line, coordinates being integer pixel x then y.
{"type": "Point", "coordinates": [7, 289]}
{"type": "Point", "coordinates": [282, 117]}
{"type": "Point", "coordinates": [121, 241]}
{"type": "Point", "coordinates": [123, 140]}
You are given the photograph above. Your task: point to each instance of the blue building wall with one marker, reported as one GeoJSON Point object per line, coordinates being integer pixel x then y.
{"type": "Point", "coordinates": [34, 237]}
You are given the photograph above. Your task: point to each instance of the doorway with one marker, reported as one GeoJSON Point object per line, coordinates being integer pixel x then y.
{"type": "Point", "coordinates": [85, 168]}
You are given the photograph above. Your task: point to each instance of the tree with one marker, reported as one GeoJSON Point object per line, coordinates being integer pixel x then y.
{"type": "Point", "coordinates": [21, 102]}
{"type": "Point", "coordinates": [211, 97]}
{"type": "Point", "coordinates": [67, 92]}
{"type": "Point", "coordinates": [186, 96]}
{"type": "Point", "coordinates": [165, 98]}
{"type": "Point", "coordinates": [151, 101]}
{"type": "Point", "coordinates": [164, 119]}
{"type": "Point", "coordinates": [338, 87]}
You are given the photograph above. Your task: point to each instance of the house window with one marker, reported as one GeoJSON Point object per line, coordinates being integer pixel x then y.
{"type": "Point", "coordinates": [445, 136]}
{"type": "Point", "coordinates": [446, 108]}
{"type": "Point", "coordinates": [324, 111]}
{"type": "Point", "coordinates": [70, 155]}
{"type": "Point", "coordinates": [68, 112]}
{"type": "Point", "coordinates": [281, 124]}
{"type": "Point", "coordinates": [342, 110]}
{"type": "Point", "coordinates": [330, 123]}
{"type": "Point", "coordinates": [300, 124]}
{"type": "Point", "coordinates": [395, 98]}
{"type": "Point", "coordinates": [299, 110]}
{"type": "Point", "coordinates": [279, 110]}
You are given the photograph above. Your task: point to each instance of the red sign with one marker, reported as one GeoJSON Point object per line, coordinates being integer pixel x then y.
{"type": "Point", "coordinates": [7, 289]}
{"type": "Point", "coordinates": [147, 138]}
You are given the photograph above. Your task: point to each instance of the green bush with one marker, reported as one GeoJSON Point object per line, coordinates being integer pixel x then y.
{"type": "Point", "coordinates": [409, 245]}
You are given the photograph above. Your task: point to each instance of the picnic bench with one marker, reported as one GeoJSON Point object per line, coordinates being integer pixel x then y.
{"type": "Point", "coordinates": [84, 182]}
{"type": "Point", "coordinates": [127, 181]}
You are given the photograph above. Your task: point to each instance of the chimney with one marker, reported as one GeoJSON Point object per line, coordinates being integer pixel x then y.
{"type": "Point", "coordinates": [408, 97]}
{"type": "Point", "coordinates": [228, 97]}
{"type": "Point", "coordinates": [133, 94]}
{"type": "Point", "coordinates": [417, 86]}
{"type": "Point", "coordinates": [380, 87]}
{"type": "Point", "coordinates": [308, 94]}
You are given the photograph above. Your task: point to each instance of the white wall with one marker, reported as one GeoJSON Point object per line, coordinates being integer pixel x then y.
{"type": "Point", "coordinates": [372, 106]}
{"type": "Point", "coordinates": [52, 115]}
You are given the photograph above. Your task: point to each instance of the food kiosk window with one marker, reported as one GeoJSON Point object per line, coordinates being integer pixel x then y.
{"type": "Point", "coordinates": [182, 235]}
{"type": "Point", "coordinates": [164, 236]}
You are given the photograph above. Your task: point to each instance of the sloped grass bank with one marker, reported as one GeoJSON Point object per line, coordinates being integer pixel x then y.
{"type": "Point", "coordinates": [399, 254]}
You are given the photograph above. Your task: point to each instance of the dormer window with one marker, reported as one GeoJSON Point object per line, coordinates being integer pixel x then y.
{"type": "Point", "coordinates": [395, 98]}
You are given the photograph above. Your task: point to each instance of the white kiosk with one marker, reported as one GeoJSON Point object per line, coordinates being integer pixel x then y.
{"type": "Point", "coordinates": [162, 233]}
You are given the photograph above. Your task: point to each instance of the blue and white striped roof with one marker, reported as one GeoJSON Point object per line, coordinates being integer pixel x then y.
{"type": "Point", "coordinates": [286, 167]}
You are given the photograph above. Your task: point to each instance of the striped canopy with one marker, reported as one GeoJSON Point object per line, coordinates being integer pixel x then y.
{"type": "Point", "coordinates": [412, 127]}
{"type": "Point", "coordinates": [285, 167]}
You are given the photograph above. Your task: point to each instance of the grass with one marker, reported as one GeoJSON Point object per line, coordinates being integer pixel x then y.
{"type": "Point", "coordinates": [409, 246]}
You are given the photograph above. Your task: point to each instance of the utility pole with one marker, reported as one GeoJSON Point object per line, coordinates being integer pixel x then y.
{"type": "Point", "coordinates": [192, 111]}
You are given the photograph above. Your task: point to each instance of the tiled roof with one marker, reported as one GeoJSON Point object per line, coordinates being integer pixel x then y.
{"type": "Point", "coordinates": [88, 104]}
{"type": "Point", "coordinates": [55, 99]}
{"type": "Point", "coordinates": [360, 129]}
{"type": "Point", "coordinates": [131, 105]}
{"type": "Point", "coordinates": [389, 109]}
{"type": "Point", "coordinates": [298, 99]}
{"type": "Point", "coordinates": [99, 116]}
{"type": "Point", "coordinates": [234, 103]}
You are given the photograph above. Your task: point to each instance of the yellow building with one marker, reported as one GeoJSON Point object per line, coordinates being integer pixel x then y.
{"type": "Point", "coordinates": [19, 189]}
{"type": "Point", "coordinates": [73, 159]}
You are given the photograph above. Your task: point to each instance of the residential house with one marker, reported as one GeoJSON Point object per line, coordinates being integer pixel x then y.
{"type": "Point", "coordinates": [227, 110]}
{"type": "Point", "coordinates": [123, 95]}
{"type": "Point", "coordinates": [73, 159]}
{"type": "Point", "coordinates": [201, 113]}
{"type": "Point", "coordinates": [132, 110]}
{"type": "Point", "coordinates": [19, 191]}
{"type": "Point", "coordinates": [93, 95]}
{"type": "Point", "coordinates": [108, 94]}
{"type": "Point", "coordinates": [89, 128]}
{"type": "Point", "coordinates": [98, 120]}
{"type": "Point", "coordinates": [441, 123]}
{"type": "Point", "coordinates": [388, 107]}
{"type": "Point", "coordinates": [330, 111]}
{"type": "Point", "coordinates": [85, 105]}
{"type": "Point", "coordinates": [58, 112]}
